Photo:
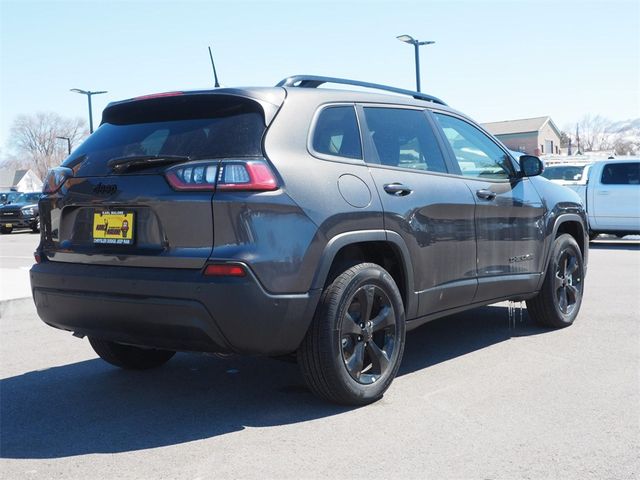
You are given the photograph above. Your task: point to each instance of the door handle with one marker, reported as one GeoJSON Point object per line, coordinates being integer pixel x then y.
{"type": "Point", "coordinates": [603, 192]}
{"type": "Point", "coordinates": [397, 189]}
{"type": "Point", "coordinates": [486, 194]}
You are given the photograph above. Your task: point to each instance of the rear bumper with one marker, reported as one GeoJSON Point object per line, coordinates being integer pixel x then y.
{"type": "Point", "coordinates": [176, 309]}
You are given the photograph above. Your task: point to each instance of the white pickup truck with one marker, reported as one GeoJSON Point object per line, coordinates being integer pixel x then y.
{"type": "Point", "coordinates": [610, 191]}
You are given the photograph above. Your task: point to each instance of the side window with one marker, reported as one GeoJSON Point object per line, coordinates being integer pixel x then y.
{"type": "Point", "coordinates": [621, 174]}
{"type": "Point", "coordinates": [476, 154]}
{"type": "Point", "coordinates": [404, 138]}
{"type": "Point", "coordinates": [336, 133]}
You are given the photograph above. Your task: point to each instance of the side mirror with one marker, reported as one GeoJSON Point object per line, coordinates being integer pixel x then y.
{"type": "Point", "coordinates": [530, 166]}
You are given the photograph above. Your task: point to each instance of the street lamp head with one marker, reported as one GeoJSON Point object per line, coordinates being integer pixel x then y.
{"type": "Point", "coordinates": [406, 38]}
{"type": "Point", "coordinates": [87, 92]}
{"type": "Point", "coordinates": [416, 46]}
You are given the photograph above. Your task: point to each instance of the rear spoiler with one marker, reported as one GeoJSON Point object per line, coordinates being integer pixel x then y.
{"type": "Point", "coordinates": [269, 99]}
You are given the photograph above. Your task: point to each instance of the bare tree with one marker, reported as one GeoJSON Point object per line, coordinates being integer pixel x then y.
{"type": "Point", "coordinates": [625, 146]}
{"type": "Point", "coordinates": [593, 133]}
{"type": "Point", "coordinates": [13, 162]}
{"type": "Point", "coordinates": [35, 139]}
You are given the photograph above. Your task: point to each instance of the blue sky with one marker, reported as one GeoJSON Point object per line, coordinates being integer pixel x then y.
{"type": "Point", "coordinates": [492, 60]}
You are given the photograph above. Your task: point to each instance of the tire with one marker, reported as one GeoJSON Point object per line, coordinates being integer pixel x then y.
{"type": "Point", "coordinates": [6, 230]}
{"type": "Point", "coordinates": [128, 357]}
{"type": "Point", "coordinates": [593, 235]}
{"type": "Point", "coordinates": [342, 361]}
{"type": "Point", "coordinates": [35, 228]}
{"type": "Point", "coordinates": [558, 302]}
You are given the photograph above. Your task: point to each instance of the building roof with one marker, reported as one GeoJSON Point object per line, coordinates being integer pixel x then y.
{"type": "Point", "coordinates": [524, 125]}
{"type": "Point", "coordinates": [10, 178]}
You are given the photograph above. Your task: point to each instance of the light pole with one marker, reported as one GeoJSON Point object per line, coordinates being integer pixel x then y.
{"type": "Point", "coordinates": [88, 94]}
{"type": "Point", "coordinates": [68, 143]}
{"type": "Point", "coordinates": [416, 44]}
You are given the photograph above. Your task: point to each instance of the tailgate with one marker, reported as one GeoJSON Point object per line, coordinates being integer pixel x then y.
{"type": "Point", "coordinates": [132, 216]}
{"type": "Point", "coordinates": [161, 230]}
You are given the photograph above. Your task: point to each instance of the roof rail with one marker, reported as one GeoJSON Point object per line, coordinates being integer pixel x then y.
{"type": "Point", "coordinates": [313, 81]}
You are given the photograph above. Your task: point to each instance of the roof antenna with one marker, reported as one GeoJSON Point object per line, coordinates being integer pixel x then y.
{"type": "Point", "coordinates": [213, 65]}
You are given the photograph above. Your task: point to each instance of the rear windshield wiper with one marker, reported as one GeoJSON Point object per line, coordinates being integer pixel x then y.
{"type": "Point", "coordinates": [138, 162]}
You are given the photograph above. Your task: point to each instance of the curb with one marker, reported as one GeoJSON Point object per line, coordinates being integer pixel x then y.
{"type": "Point", "coordinates": [11, 305]}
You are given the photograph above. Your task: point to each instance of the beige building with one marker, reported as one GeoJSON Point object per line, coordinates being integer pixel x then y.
{"type": "Point", "coordinates": [535, 136]}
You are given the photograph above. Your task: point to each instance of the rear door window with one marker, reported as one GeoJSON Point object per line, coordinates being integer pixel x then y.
{"type": "Point", "coordinates": [627, 173]}
{"type": "Point", "coordinates": [403, 138]}
{"type": "Point", "coordinates": [336, 133]}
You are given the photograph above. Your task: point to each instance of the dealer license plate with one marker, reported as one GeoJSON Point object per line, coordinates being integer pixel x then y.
{"type": "Point", "coordinates": [113, 227]}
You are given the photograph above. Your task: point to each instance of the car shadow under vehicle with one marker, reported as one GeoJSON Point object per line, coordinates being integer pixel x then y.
{"type": "Point", "coordinates": [463, 333]}
{"type": "Point", "coordinates": [91, 407]}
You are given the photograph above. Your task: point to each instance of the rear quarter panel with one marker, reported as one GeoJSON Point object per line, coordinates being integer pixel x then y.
{"type": "Point", "coordinates": [311, 187]}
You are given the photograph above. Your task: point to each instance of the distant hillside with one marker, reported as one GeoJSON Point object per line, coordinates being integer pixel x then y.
{"type": "Point", "coordinates": [623, 137]}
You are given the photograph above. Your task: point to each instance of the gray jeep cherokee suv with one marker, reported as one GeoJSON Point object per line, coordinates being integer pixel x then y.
{"type": "Point", "coordinates": [297, 219]}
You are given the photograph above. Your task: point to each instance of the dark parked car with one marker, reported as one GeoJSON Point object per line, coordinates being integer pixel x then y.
{"type": "Point", "coordinates": [20, 211]}
{"type": "Point", "coordinates": [297, 219]}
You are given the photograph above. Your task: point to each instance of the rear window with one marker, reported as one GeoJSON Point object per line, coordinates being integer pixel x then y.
{"type": "Point", "coordinates": [569, 173]}
{"type": "Point", "coordinates": [336, 133]}
{"type": "Point", "coordinates": [627, 173]}
{"type": "Point", "coordinates": [198, 126]}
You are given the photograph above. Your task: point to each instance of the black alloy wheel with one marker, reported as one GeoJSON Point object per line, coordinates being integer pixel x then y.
{"type": "Point", "coordinates": [353, 348]}
{"type": "Point", "coordinates": [568, 281]}
{"type": "Point", "coordinates": [367, 334]}
{"type": "Point", "coordinates": [558, 302]}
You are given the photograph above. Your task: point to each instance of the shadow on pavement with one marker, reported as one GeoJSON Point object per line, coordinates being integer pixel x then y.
{"type": "Point", "coordinates": [91, 407]}
{"type": "Point", "coordinates": [463, 333]}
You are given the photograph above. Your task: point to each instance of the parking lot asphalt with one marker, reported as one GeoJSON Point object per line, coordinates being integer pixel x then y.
{"type": "Point", "coordinates": [475, 398]}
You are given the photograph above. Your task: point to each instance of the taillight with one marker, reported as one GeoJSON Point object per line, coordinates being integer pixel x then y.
{"type": "Point", "coordinates": [56, 178]}
{"type": "Point", "coordinates": [193, 175]}
{"type": "Point", "coordinates": [247, 175]}
{"type": "Point", "coordinates": [255, 175]}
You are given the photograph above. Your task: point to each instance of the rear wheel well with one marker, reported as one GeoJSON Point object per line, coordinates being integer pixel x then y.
{"type": "Point", "coordinates": [575, 230]}
{"type": "Point", "coordinates": [382, 253]}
